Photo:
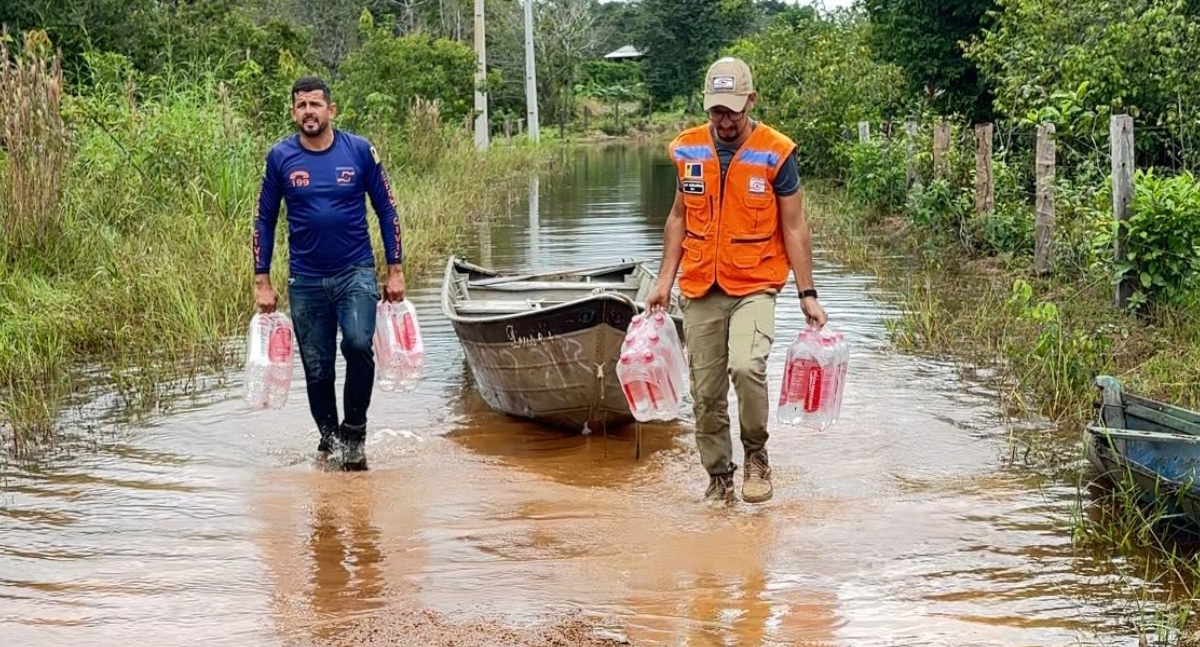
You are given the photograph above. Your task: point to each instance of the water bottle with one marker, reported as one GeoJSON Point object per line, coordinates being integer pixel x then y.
{"type": "Point", "coordinates": [651, 368]}
{"type": "Point", "coordinates": [270, 341]}
{"type": "Point", "coordinates": [645, 377]}
{"type": "Point", "coordinates": [843, 363]}
{"type": "Point", "coordinates": [814, 379]}
{"type": "Point", "coordinates": [658, 330]}
{"type": "Point", "coordinates": [399, 349]}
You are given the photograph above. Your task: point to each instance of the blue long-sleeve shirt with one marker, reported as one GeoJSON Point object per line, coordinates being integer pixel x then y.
{"type": "Point", "coordinates": [325, 192]}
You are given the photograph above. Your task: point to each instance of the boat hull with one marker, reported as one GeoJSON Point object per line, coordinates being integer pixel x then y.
{"type": "Point", "coordinates": [1163, 466]}
{"type": "Point", "coordinates": [556, 367]}
{"type": "Point", "coordinates": [553, 364]}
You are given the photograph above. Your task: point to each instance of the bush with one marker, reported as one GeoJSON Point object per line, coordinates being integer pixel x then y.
{"type": "Point", "coordinates": [381, 79]}
{"type": "Point", "coordinates": [941, 209]}
{"type": "Point", "coordinates": [876, 176]}
{"type": "Point", "coordinates": [814, 75]}
{"type": "Point", "coordinates": [1009, 230]}
{"type": "Point", "coordinates": [1163, 239]}
{"type": "Point", "coordinates": [1010, 227]}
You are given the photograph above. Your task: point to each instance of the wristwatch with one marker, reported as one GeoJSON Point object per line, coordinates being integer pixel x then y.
{"type": "Point", "coordinates": [804, 294]}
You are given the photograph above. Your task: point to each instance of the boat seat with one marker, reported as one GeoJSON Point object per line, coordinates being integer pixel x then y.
{"type": "Point", "coordinates": [580, 286]}
{"type": "Point", "coordinates": [499, 306]}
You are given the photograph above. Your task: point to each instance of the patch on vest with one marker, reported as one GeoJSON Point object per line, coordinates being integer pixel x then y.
{"type": "Point", "coordinates": [693, 169]}
{"type": "Point", "coordinates": [694, 187]}
{"type": "Point", "coordinates": [758, 185]}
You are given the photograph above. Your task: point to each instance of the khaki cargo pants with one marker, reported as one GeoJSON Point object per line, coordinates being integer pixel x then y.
{"type": "Point", "coordinates": [728, 339]}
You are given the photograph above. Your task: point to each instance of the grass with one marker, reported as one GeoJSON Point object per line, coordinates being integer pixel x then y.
{"type": "Point", "coordinates": [1043, 340]}
{"type": "Point", "coordinates": [138, 270]}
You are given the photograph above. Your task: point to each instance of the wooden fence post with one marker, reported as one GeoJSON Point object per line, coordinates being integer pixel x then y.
{"type": "Point", "coordinates": [1121, 142]}
{"type": "Point", "coordinates": [910, 131]}
{"type": "Point", "coordinates": [941, 145]}
{"type": "Point", "coordinates": [1043, 247]}
{"type": "Point", "coordinates": [864, 131]}
{"type": "Point", "coordinates": [985, 195]}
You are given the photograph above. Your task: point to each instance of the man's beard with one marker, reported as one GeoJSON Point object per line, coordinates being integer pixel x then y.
{"type": "Point", "coordinates": [321, 128]}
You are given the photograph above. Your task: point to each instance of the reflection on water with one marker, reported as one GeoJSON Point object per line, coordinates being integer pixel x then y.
{"type": "Point", "coordinates": [896, 527]}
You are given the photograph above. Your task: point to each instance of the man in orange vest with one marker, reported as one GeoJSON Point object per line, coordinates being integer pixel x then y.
{"type": "Point", "coordinates": [736, 229]}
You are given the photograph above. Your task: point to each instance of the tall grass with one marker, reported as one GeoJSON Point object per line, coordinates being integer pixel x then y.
{"type": "Point", "coordinates": [1044, 340]}
{"type": "Point", "coordinates": [36, 146]}
{"type": "Point", "coordinates": [136, 259]}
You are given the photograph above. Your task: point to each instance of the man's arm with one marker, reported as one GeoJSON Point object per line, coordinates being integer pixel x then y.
{"type": "Point", "coordinates": [266, 215]}
{"type": "Point", "coordinates": [384, 202]}
{"type": "Point", "coordinates": [380, 191]}
{"type": "Point", "coordinates": [673, 233]}
{"type": "Point", "coordinates": [672, 254]}
{"type": "Point", "coordinates": [797, 240]}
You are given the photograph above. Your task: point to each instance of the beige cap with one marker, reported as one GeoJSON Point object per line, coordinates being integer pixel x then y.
{"type": "Point", "coordinates": [728, 84]}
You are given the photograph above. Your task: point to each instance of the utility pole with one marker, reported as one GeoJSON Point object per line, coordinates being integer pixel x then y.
{"type": "Point", "coordinates": [481, 105]}
{"type": "Point", "coordinates": [531, 107]}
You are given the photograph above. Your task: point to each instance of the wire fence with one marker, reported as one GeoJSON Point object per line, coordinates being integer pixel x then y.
{"type": "Point", "coordinates": [1089, 164]}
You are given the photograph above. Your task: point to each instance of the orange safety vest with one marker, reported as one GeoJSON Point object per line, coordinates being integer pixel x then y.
{"type": "Point", "coordinates": [734, 237]}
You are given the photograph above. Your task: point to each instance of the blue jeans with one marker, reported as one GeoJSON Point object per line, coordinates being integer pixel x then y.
{"type": "Point", "coordinates": [320, 306]}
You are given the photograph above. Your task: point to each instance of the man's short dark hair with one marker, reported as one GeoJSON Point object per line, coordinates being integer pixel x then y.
{"type": "Point", "coordinates": [308, 84]}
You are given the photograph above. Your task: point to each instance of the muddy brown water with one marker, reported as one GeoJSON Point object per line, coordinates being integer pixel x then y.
{"type": "Point", "coordinates": [901, 525]}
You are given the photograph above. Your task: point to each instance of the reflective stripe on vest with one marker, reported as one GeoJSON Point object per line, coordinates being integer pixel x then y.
{"type": "Point", "coordinates": [734, 237]}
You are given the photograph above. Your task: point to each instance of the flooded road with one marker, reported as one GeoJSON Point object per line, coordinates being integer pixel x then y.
{"type": "Point", "coordinates": [898, 526]}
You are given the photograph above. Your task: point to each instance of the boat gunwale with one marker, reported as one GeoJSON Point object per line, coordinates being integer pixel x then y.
{"type": "Point", "coordinates": [1104, 449]}
{"type": "Point", "coordinates": [451, 312]}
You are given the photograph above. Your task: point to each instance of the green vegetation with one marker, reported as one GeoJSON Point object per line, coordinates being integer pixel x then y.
{"type": "Point", "coordinates": [129, 168]}
{"type": "Point", "coordinates": [968, 292]}
{"type": "Point", "coordinates": [127, 199]}
{"type": "Point", "coordinates": [842, 82]}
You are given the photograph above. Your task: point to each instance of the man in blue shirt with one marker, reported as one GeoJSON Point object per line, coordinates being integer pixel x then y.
{"type": "Point", "coordinates": [324, 176]}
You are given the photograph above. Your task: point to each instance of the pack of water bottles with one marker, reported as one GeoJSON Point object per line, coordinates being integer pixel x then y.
{"type": "Point", "coordinates": [814, 379]}
{"type": "Point", "coordinates": [652, 367]}
{"type": "Point", "coordinates": [268, 369]}
{"type": "Point", "coordinates": [399, 349]}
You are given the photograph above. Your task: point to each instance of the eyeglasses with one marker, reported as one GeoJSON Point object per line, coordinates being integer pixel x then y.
{"type": "Point", "coordinates": [718, 115]}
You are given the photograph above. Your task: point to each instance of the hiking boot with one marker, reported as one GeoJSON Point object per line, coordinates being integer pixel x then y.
{"type": "Point", "coordinates": [720, 490]}
{"type": "Point", "coordinates": [325, 446]}
{"type": "Point", "coordinates": [353, 439]}
{"type": "Point", "coordinates": [756, 487]}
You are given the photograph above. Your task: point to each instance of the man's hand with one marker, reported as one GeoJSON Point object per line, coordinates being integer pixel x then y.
{"type": "Point", "coordinates": [813, 311]}
{"type": "Point", "coordinates": [264, 294]}
{"type": "Point", "coordinates": [393, 290]}
{"type": "Point", "coordinates": [659, 297]}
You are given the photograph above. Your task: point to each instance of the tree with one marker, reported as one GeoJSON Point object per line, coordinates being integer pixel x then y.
{"type": "Point", "coordinates": [565, 37]}
{"type": "Point", "coordinates": [381, 78]}
{"type": "Point", "coordinates": [616, 23]}
{"type": "Point", "coordinates": [1070, 61]}
{"type": "Point", "coordinates": [217, 34]}
{"type": "Point", "coordinates": [924, 38]}
{"type": "Point", "coordinates": [814, 75]}
{"type": "Point", "coordinates": [681, 38]}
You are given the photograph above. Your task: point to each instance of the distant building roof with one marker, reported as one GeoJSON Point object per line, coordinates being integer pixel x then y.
{"type": "Point", "coordinates": [628, 51]}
